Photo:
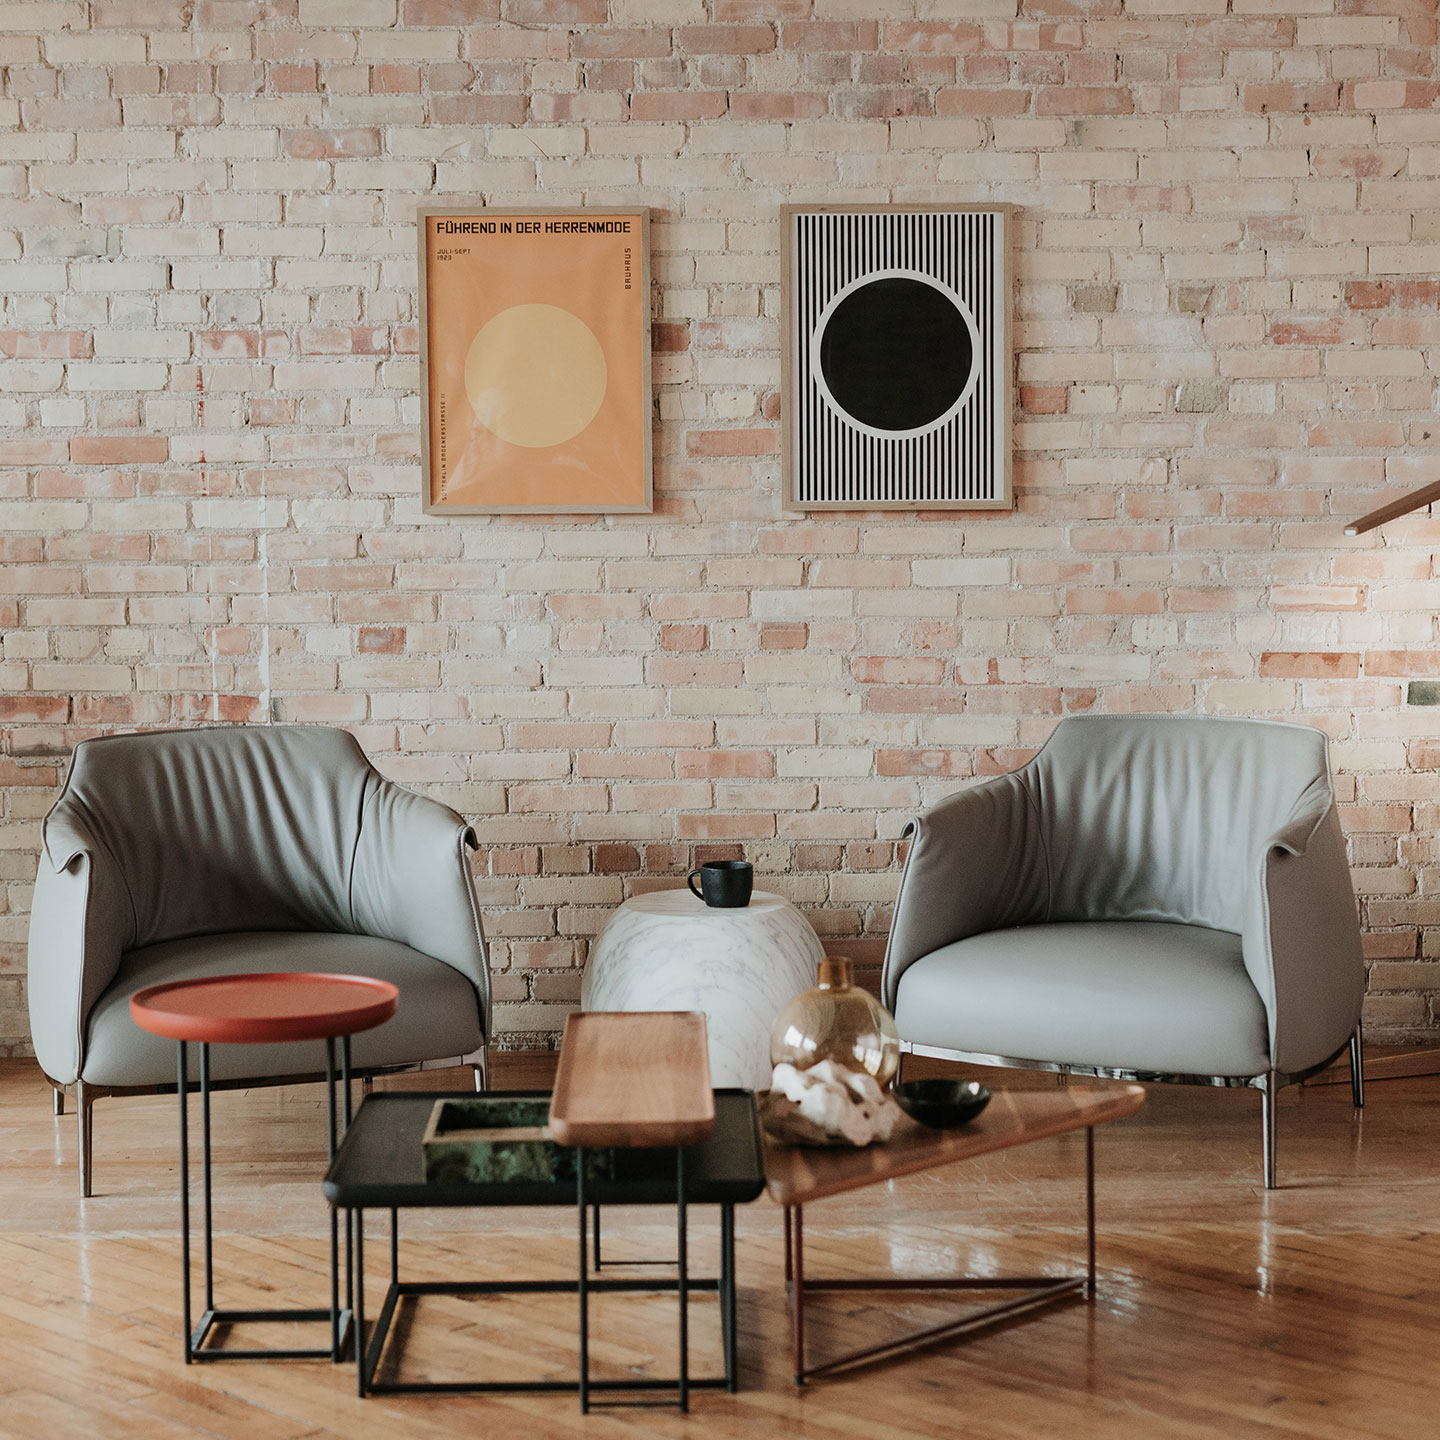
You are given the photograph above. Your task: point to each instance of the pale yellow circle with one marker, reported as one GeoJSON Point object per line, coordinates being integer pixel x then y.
{"type": "Point", "coordinates": [535, 375]}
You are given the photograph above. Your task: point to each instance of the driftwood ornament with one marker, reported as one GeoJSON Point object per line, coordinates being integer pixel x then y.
{"type": "Point", "coordinates": [827, 1105]}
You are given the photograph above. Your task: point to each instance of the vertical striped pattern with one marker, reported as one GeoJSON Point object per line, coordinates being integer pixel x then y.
{"type": "Point", "coordinates": [959, 460]}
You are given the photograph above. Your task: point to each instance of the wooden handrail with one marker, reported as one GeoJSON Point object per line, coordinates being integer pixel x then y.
{"type": "Point", "coordinates": [1425, 495]}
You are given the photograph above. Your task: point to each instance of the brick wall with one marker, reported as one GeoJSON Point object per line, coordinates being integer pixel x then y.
{"type": "Point", "coordinates": [1228, 326]}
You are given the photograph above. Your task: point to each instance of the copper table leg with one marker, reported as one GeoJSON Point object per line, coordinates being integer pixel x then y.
{"type": "Point", "coordinates": [797, 1289]}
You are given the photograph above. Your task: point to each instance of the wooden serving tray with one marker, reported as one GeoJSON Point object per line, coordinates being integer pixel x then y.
{"type": "Point", "coordinates": [633, 1078]}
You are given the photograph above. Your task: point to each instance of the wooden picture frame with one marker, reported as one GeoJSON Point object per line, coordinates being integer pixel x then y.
{"type": "Point", "coordinates": [957, 260]}
{"type": "Point", "coordinates": [535, 360]}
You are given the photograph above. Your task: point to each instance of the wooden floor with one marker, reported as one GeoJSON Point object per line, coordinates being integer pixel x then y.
{"type": "Point", "coordinates": [1223, 1311]}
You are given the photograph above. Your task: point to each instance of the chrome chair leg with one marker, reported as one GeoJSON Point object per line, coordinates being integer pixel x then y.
{"type": "Point", "coordinates": [58, 1100]}
{"type": "Point", "coordinates": [1269, 1095]}
{"type": "Point", "coordinates": [83, 1105]}
{"type": "Point", "coordinates": [1357, 1068]}
{"type": "Point", "coordinates": [480, 1064]}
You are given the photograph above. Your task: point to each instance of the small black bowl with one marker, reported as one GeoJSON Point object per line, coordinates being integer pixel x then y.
{"type": "Point", "coordinates": [942, 1104]}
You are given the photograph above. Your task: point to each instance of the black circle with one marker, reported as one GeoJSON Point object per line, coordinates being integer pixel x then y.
{"type": "Point", "coordinates": [896, 353]}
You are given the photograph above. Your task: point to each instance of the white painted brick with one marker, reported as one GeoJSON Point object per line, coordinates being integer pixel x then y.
{"type": "Point", "coordinates": [347, 14]}
{"type": "Point", "coordinates": [86, 375]}
{"type": "Point", "coordinates": [955, 574]}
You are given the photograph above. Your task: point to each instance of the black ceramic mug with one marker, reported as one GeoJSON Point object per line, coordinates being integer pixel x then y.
{"type": "Point", "coordinates": [724, 884]}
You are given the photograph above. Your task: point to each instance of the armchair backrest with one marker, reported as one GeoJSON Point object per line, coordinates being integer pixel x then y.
{"type": "Point", "coordinates": [221, 829]}
{"type": "Point", "coordinates": [1163, 817]}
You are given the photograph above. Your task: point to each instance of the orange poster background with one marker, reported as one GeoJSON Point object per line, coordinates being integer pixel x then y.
{"type": "Point", "coordinates": [602, 466]}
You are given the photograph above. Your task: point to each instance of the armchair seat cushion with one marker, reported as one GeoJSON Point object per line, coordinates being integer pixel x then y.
{"type": "Point", "coordinates": [438, 1015]}
{"type": "Point", "coordinates": [1124, 994]}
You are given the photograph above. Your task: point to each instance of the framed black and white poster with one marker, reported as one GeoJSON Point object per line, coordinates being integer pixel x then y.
{"type": "Point", "coordinates": [896, 357]}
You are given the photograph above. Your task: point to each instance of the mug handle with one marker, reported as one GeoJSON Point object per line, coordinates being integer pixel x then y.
{"type": "Point", "coordinates": [690, 881]}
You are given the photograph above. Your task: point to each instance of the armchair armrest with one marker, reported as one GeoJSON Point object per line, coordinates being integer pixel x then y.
{"type": "Point", "coordinates": [81, 922]}
{"type": "Point", "coordinates": [1302, 936]}
{"type": "Point", "coordinates": [976, 863]}
{"type": "Point", "coordinates": [411, 883]}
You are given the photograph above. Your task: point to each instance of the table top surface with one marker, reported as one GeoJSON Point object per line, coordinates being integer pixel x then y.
{"type": "Point", "coordinates": [795, 1175]}
{"type": "Point", "coordinates": [380, 1162]}
{"type": "Point", "coordinates": [261, 1008]}
{"type": "Point", "coordinates": [680, 904]}
{"type": "Point", "coordinates": [633, 1078]}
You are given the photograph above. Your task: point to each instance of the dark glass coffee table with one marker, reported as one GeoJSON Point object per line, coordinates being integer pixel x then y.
{"type": "Point", "coordinates": [380, 1166]}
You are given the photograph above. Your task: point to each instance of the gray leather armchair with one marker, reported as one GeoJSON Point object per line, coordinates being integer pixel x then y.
{"type": "Point", "coordinates": [1150, 897]}
{"type": "Point", "coordinates": [178, 854]}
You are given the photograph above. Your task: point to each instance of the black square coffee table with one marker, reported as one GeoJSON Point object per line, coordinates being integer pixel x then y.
{"type": "Point", "coordinates": [380, 1166]}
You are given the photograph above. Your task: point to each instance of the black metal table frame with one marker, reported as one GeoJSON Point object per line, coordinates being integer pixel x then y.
{"type": "Point", "coordinates": [1044, 1290]}
{"type": "Point", "coordinates": [368, 1356]}
{"type": "Point", "coordinates": [340, 1318]}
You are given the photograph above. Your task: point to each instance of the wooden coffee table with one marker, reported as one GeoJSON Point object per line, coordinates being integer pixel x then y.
{"type": "Point", "coordinates": [635, 1080]}
{"type": "Point", "coordinates": [795, 1176]}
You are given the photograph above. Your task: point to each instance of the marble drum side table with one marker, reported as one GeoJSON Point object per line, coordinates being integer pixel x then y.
{"type": "Point", "coordinates": [669, 951]}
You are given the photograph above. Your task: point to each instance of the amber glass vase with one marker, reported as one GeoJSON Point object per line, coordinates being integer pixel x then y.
{"type": "Point", "coordinates": [837, 1021]}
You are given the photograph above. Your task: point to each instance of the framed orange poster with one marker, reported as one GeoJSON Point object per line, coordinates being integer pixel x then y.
{"type": "Point", "coordinates": [535, 360]}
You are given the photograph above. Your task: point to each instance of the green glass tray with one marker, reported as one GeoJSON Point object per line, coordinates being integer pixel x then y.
{"type": "Point", "coordinates": [485, 1140]}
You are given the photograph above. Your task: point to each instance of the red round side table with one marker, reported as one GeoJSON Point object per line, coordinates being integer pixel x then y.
{"type": "Point", "coordinates": [253, 1010]}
